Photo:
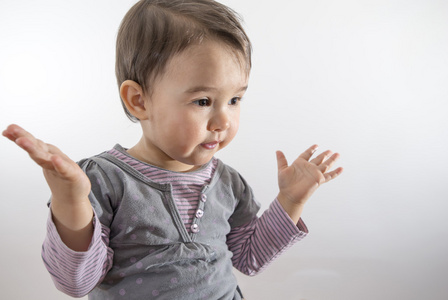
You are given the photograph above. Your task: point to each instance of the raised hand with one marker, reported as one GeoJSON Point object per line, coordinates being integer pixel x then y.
{"type": "Point", "coordinates": [69, 185]}
{"type": "Point", "coordinates": [298, 181]}
{"type": "Point", "coordinates": [65, 178]}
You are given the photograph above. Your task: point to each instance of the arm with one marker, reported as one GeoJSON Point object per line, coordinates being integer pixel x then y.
{"type": "Point", "coordinates": [259, 242]}
{"type": "Point", "coordinates": [77, 273]}
{"type": "Point", "coordinates": [256, 244]}
{"type": "Point", "coordinates": [75, 250]}
{"type": "Point", "coordinates": [72, 212]}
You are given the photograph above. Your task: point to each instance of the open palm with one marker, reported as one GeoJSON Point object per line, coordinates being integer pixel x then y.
{"type": "Point", "coordinates": [65, 178]}
{"type": "Point", "coordinates": [298, 181]}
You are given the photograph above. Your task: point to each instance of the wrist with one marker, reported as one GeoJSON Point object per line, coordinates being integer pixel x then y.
{"type": "Point", "coordinates": [74, 215]}
{"type": "Point", "coordinates": [293, 209]}
{"type": "Point", "coordinates": [74, 223]}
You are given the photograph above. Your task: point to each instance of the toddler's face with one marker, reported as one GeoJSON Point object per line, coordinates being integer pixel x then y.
{"type": "Point", "coordinates": [194, 109]}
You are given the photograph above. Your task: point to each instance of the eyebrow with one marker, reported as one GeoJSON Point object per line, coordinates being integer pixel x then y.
{"type": "Point", "coordinates": [197, 89]}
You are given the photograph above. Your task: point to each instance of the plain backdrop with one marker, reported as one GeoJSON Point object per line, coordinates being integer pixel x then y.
{"type": "Point", "coordinates": [368, 79]}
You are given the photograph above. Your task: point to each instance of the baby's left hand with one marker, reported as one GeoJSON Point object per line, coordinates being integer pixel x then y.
{"type": "Point", "coordinates": [298, 181]}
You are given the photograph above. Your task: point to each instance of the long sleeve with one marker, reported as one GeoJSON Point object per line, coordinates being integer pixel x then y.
{"type": "Point", "coordinates": [259, 242]}
{"type": "Point", "coordinates": [77, 273]}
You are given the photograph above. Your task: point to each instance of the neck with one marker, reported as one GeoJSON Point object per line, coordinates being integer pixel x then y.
{"type": "Point", "coordinates": [146, 153]}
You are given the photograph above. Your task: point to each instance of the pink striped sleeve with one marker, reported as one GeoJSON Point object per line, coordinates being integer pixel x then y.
{"type": "Point", "coordinates": [258, 243]}
{"type": "Point", "coordinates": [77, 273]}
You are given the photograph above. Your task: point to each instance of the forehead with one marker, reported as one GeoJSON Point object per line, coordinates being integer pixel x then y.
{"type": "Point", "coordinates": [209, 62]}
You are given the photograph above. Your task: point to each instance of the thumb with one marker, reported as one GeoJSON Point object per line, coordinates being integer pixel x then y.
{"type": "Point", "coordinates": [61, 166]}
{"type": "Point", "coordinates": [282, 163]}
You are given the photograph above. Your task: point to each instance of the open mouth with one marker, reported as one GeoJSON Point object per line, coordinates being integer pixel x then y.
{"type": "Point", "coordinates": [211, 145]}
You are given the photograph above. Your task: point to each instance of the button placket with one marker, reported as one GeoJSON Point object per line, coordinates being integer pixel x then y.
{"type": "Point", "coordinates": [199, 213]}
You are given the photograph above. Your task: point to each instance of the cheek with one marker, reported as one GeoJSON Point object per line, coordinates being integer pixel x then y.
{"type": "Point", "coordinates": [233, 130]}
{"type": "Point", "coordinates": [235, 123]}
{"type": "Point", "coordinates": [186, 127]}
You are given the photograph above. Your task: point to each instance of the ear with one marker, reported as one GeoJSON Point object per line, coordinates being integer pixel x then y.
{"type": "Point", "coordinates": [134, 99]}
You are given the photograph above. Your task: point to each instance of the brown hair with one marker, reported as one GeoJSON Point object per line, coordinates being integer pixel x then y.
{"type": "Point", "coordinates": [153, 31]}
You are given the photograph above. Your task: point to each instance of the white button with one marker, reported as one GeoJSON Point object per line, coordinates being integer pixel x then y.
{"type": "Point", "coordinates": [203, 197]}
{"type": "Point", "coordinates": [195, 228]}
{"type": "Point", "coordinates": [199, 213]}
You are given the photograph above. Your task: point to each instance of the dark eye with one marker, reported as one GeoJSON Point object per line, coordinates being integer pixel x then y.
{"type": "Point", "coordinates": [234, 101]}
{"type": "Point", "coordinates": [202, 102]}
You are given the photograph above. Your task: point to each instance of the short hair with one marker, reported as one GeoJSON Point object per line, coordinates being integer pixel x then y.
{"type": "Point", "coordinates": [153, 31]}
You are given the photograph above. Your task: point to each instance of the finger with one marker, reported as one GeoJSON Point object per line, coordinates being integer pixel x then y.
{"type": "Point", "coordinates": [333, 174]}
{"type": "Point", "coordinates": [321, 158]}
{"type": "Point", "coordinates": [39, 151]}
{"type": "Point", "coordinates": [29, 143]}
{"type": "Point", "coordinates": [281, 160]}
{"type": "Point", "coordinates": [7, 133]}
{"type": "Point", "coordinates": [327, 164]}
{"type": "Point", "coordinates": [309, 152]}
{"type": "Point", "coordinates": [13, 132]}
{"type": "Point", "coordinates": [45, 155]}
{"type": "Point", "coordinates": [23, 138]}
{"type": "Point", "coordinates": [41, 156]}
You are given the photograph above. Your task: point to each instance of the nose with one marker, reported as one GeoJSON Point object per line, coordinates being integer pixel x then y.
{"type": "Point", "coordinates": [220, 121]}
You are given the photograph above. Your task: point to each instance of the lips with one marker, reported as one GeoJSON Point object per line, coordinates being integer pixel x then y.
{"type": "Point", "coordinates": [211, 145]}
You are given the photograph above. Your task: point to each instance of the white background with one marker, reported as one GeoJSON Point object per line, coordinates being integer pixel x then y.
{"type": "Point", "coordinates": [368, 79]}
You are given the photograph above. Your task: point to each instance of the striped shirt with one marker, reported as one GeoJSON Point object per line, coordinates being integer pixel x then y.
{"type": "Point", "coordinates": [186, 186]}
{"type": "Point", "coordinates": [254, 245]}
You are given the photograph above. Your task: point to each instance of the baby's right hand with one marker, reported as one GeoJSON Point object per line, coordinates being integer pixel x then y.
{"type": "Point", "coordinates": [71, 210]}
{"type": "Point", "coordinates": [68, 183]}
